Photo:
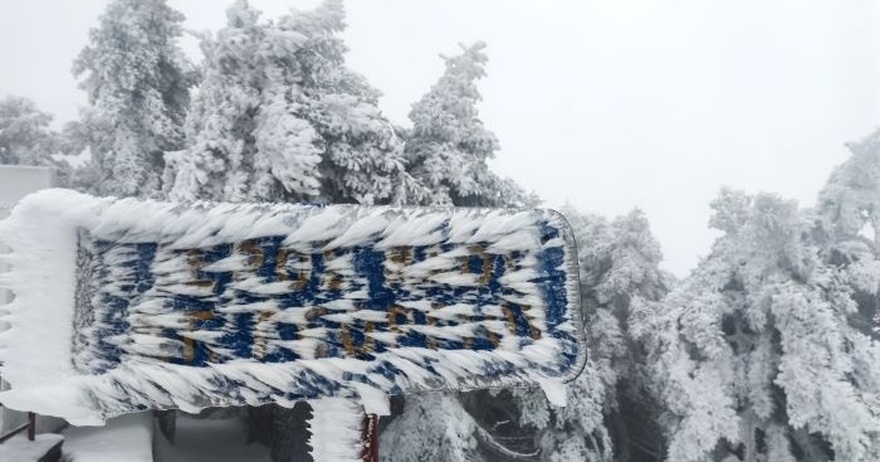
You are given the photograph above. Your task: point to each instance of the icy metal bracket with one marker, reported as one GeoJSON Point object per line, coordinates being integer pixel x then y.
{"type": "Point", "coordinates": [145, 305]}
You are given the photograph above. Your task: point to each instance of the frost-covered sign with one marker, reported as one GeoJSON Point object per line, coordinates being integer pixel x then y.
{"type": "Point", "coordinates": [123, 305]}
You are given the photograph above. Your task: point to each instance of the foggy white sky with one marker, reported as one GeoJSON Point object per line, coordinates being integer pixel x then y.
{"type": "Point", "coordinates": [607, 104]}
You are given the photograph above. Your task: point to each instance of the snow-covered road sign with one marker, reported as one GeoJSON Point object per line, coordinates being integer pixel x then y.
{"type": "Point", "coordinates": [124, 305]}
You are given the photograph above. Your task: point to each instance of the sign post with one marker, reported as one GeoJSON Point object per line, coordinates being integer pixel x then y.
{"type": "Point", "coordinates": [147, 305]}
{"type": "Point", "coordinates": [370, 438]}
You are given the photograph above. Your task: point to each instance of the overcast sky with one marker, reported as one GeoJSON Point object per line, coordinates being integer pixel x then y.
{"type": "Point", "coordinates": [606, 104]}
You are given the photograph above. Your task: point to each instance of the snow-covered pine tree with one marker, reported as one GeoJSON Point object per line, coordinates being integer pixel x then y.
{"type": "Point", "coordinates": [448, 147]}
{"type": "Point", "coordinates": [620, 281]}
{"type": "Point", "coordinates": [849, 212]}
{"type": "Point", "coordinates": [25, 136]}
{"type": "Point", "coordinates": [280, 118]}
{"type": "Point", "coordinates": [363, 156]}
{"type": "Point", "coordinates": [754, 355]}
{"type": "Point", "coordinates": [433, 427]}
{"type": "Point", "coordinates": [361, 160]}
{"type": "Point", "coordinates": [241, 91]}
{"type": "Point", "coordinates": [137, 80]}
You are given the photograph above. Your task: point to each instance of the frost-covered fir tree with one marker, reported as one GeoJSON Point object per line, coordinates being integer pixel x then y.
{"type": "Point", "coordinates": [448, 147]}
{"type": "Point", "coordinates": [361, 153]}
{"type": "Point", "coordinates": [849, 213]}
{"type": "Point", "coordinates": [280, 118]}
{"type": "Point", "coordinates": [754, 354]}
{"type": "Point", "coordinates": [362, 159]}
{"type": "Point", "coordinates": [611, 414]}
{"type": "Point", "coordinates": [620, 280]}
{"type": "Point", "coordinates": [25, 136]}
{"type": "Point", "coordinates": [433, 427]}
{"type": "Point", "coordinates": [137, 81]}
{"type": "Point", "coordinates": [245, 141]}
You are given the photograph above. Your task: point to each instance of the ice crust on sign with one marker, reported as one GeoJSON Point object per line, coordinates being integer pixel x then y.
{"type": "Point", "coordinates": [125, 305]}
{"type": "Point", "coordinates": [336, 430]}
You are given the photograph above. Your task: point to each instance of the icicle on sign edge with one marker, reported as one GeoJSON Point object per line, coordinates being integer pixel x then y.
{"type": "Point", "coordinates": [40, 356]}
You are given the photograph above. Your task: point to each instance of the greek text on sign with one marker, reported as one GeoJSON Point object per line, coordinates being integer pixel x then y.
{"type": "Point", "coordinates": [138, 305]}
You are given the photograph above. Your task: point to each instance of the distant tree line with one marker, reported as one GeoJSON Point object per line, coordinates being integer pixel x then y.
{"type": "Point", "coordinates": [768, 351]}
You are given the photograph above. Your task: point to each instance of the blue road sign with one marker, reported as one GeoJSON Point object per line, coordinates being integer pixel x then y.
{"type": "Point", "coordinates": [210, 305]}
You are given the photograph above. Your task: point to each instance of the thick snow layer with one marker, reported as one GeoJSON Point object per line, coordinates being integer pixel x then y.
{"type": "Point", "coordinates": [123, 305]}
{"type": "Point", "coordinates": [37, 347]}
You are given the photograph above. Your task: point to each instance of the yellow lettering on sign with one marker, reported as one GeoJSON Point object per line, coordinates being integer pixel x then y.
{"type": "Point", "coordinates": [281, 264]}
{"type": "Point", "coordinates": [401, 255]}
{"type": "Point", "coordinates": [316, 312]}
{"type": "Point", "coordinates": [261, 328]}
{"type": "Point", "coordinates": [194, 261]}
{"type": "Point", "coordinates": [330, 280]}
{"type": "Point", "coordinates": [254, 260]}
{"type": "Point", "coordinates": [304, 272]}
{"type": "Point", "coordinates": [348, 344]}
{"type": "Point", "coordinates": [487, 265]}
{"type": "Point", "coordinates": [534, 332]}
{"type": "Point", "coordinates": [396, 258]}
{"type": "Point", "coordinates": [253, 252]}
{"type": "Point", "coordinates": [509, 263]}
{"type": "Point", "coordinates": [509, 317]}
{"type": "Point", "coordinates": [431, 321]}
{"type": "Point", "coordinates": [189, 343]}
{"type": "Point", "coordinates": [395, 310]}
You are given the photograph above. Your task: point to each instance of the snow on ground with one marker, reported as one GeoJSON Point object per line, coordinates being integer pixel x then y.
{"type": "Point", "coordinates": [127, 438]}
{"type": "Point", "coordinates": [209, 441]}
{"type": "Point", "coordinates": [19, 449]}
